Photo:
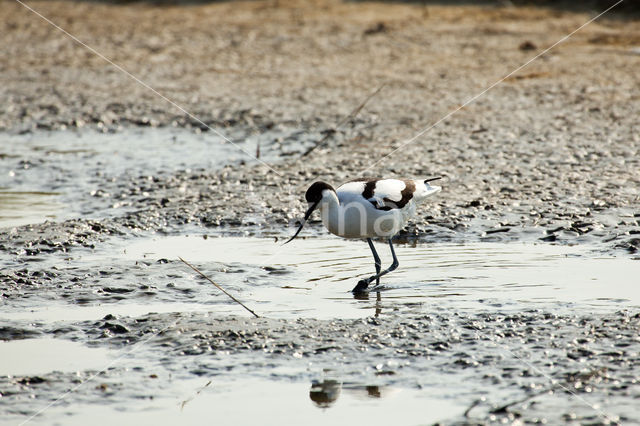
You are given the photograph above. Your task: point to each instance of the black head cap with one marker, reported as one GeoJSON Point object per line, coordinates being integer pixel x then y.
{"type": "Point", "coordinates": [314, 193]}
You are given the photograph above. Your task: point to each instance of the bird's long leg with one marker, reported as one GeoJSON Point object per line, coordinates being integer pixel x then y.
{"type": "Point", "coordinates": [376, 258]}
{"type": "Point", "coordinates": [395, 263]}
{"type": "Point", "coordinates": [364, 283]}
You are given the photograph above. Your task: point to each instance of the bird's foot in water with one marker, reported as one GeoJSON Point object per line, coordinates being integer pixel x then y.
{"type": "Point", "coordinates": [361, 287]}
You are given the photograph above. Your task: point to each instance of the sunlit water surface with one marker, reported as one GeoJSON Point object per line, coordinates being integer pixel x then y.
{"type": "Point", "coordinates": [313, 277]}
{"type": "Point", "coordinates": [310, 278]}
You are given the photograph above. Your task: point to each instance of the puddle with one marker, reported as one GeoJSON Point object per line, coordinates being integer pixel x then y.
{"type": "Point", "coordinates": [262, 402]}
{"type": "Point", "coordinates": [42, 356]}
{"type": "Point", "coordinates": [312, 278]}
{"type": "Point", "coordinates": [80, 172]}
{"type": "Point", "coordinates": [22, 208]}
{"type": "Point", "coordinates": [56, 313]}
{"type": "Point", "coordinates": [322, 272]}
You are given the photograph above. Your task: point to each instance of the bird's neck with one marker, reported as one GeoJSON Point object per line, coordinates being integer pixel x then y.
{"type": "Point", "coordinates": [329, 206]}
{"type": "Point", "coordinates": [329, 200]}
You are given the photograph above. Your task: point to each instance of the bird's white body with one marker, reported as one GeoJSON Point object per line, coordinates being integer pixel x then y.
{"type": "Point", "coordinates": [368, 208]}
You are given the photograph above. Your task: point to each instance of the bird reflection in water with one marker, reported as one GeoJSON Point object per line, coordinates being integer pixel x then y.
{"type": "Point", "coordinates": [373, 391]}
{"type": "Point", "coordinates": [365, 296]}
{"type": "Point", "coordinates": [324, 394]}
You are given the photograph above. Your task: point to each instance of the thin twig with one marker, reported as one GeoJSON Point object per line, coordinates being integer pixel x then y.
{"type": "Point", "coordinates": [218, 286]}
{"type": "Point", "coordinates": [565, 385]}
{"type": "Point", "coordinates": [353, 113]}
{"type": "Point", "coordinates": [504, 408]}
{"type": "Point", "coordinates": [186, 401]}
{"type": "Point", "coordinates": [473, 405]}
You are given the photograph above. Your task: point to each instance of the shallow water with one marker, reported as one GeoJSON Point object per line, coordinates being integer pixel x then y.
{"type": "Point", "coordinates": [263, 402]}
{"type": "Point", "coordinates": [103, 297]}
{"type": "Point", "coordinates": [42, 356]}
{"type": "Point", "coordinates": [312, 277]}
{"type": "Point", "coordinates": [25, 207]}
{"type": "Point", "coordinates": [61, 175]}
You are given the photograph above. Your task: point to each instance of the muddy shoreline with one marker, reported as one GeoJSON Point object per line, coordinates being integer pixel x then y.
{"type": "Point", "coordinates": [573, 352]}
{"type": "Point", "coordinates": [549, 156]}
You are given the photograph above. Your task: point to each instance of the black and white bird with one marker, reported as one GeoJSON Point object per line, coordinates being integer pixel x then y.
{"type": "Point", "coordinates": [368, 208]}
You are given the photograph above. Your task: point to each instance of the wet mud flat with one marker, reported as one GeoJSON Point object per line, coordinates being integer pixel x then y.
{"type": "Point", "coordinates": [121, 190]}
{"type": "Point", "coordinates": [527, 328]}
{"type": "Point", "coordinates": [489, 367]}
{"type": "Point", "coordinates": [464, 333]}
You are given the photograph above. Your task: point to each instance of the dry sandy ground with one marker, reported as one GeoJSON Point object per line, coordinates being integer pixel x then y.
{"type": "Point", "coordinates": [309, 61]}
